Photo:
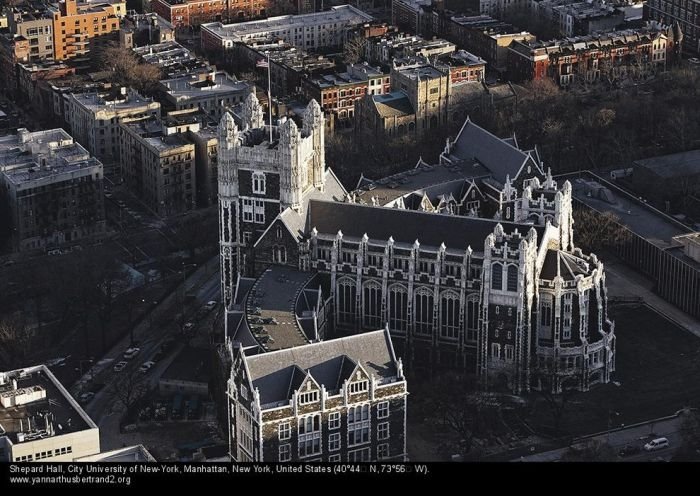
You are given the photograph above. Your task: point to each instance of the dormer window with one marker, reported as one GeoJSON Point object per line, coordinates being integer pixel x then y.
{"type": "Point", "coordinates": [359, 387]}
{"type": "Point", "coordinates": [308, 397]}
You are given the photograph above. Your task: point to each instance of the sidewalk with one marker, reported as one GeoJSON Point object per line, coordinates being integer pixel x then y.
{"type": "Point", "coordinates": [169, 304]}
{"type": "Point", "coordinates": [623, 281]}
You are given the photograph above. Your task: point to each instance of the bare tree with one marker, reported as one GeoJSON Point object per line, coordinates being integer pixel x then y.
{"type": "Point", "coordinates": [464, 410]}
{"type": "Point", "coordinates": [130, 389]}
{"type": "Point", "coordinates": [596, 231]}
{"type": "Point", "coordinates": [354, 50]}
{"type": "Point", "coordinates": [17, 342]}
{"type": "Point", "coordinates": [127, 70]}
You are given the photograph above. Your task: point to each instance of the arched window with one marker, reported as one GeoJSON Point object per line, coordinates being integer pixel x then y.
{"type": "Point", "coordinates": [424, 311]}
{"type": "Point", "coordinates": [546, 317]}
{"type": "Point", "coordinates": [346, 301]}
{"type": "Point", "coordinates": [372, 305]}
{"type": "Point", "coordinates": [473, 309]}
{"type": "Point", "coordinates": [512, 278]}
{"type": "Point", "coordinates": [449, 315]}
{"type": "Point", "coordinates": [497, 276]}
{"type": "Point", "coordinates": [398, 308]}
{"type": "Point", "coordinates": [259, 183]}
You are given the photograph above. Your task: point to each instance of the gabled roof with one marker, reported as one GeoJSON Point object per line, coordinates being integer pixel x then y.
{"type": "Point", "coordinates": [406, 226]}
{"type": "Point", "coordinates": [294, 221]}
{"type": "Point", "coordinates": [277, 374]}
{"type": "Point", "coordinates": [499, 156]}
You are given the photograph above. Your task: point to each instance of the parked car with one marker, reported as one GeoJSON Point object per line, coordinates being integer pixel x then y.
{"type": "Point", "coordinates": [630, 449]}
{"type": "Point", "coordinates": [120, 366]}
{"type": "Point", "coordinates": [146, 366]}
{"type": "Point", "coordinates": [131, 353]}
{"type": "Point", "coordinates": [211, 305]}
{"type": "Point", "coordinates": [86, 397]}
{"type": "Point", "coordinates": [656, 444]}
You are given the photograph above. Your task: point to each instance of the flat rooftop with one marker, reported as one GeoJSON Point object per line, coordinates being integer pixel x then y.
{"type": "Point", "coordinates": [151, 132]}
{"type": "Point", "coordinates": [674, 165]}
{"type": "Point", "coordinates": [52, 413]}
{"type": "Point", "coordinates": [130, 454]}
{"type": "Point", "coordinates": [271, 307]}
{"type": "Point", "coordinates": [420, 72]}
{"type": "Point", "coordinates": [344, 14]}
{"type": "Point", "coordinates": [196, 85]}
{"type": "Point", "coordinates": [115, 100]}
{"type": "Point", "coordinates": [638, 216]}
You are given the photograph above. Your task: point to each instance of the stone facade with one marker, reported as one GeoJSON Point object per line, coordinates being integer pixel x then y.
{"type": "Point", "coordinates": [470, 262]}
{"type": "Point", "coordinates": [260, 177]}
{"type": "Point", "coordinates": [334, 404]}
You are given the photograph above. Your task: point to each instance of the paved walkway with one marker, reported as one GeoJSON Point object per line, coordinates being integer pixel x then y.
{"type": "Point", "coordinates": [625, 282]}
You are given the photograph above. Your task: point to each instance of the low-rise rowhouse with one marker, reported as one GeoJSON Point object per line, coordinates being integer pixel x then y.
{"type": "Point", "coordinates": [587, 59]}
{"type": "Point", "coordinates": [337, 400]}
{"type": "Point", "coordinates": [337, 93]}
{"type": "Point", "coordinates": [486, 37]}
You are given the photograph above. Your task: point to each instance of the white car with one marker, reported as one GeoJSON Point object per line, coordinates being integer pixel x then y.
{"type": "Point", "coordinates": [146, 366]}
{"type": "Point", "coordinates": [210, 305]}
{"type": "Point", "coordinates": [120, 366]}
{"type": "Point", "coordinates": [131, 353]}
{"type": "Point", "coordinates": [189, 326]}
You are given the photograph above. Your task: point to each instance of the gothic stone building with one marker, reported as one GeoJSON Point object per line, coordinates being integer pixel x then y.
{"type": "Point", "coordinates": [337, 400]}
{"type": "Point", "coordinates": [470, 262]}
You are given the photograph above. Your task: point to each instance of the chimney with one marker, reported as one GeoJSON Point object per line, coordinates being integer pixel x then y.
{"type": "Point", "coordinates": [23, 135]}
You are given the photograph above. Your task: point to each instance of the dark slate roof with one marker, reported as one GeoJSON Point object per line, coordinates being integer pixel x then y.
{"type": "Point", "coordinates": [333, 190]}
{"type": "Point", "coordinates": [558, 263]}
{"type": "Point", "coordinates": [394, 104]}
{"type": "Point", "coordinates": [406, 226]}
{"type": "Point", "coordinates": [497, 155]}
{"type": "Point", "coordinates": [277, 374]}
{"type": "Point", "coordinates": [675, 165]}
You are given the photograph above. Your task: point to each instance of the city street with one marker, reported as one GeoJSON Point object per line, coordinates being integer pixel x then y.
{"type": "Point", "coordinates": [630, 436]}
{"type": "Point", "coordinates": [105, 408]}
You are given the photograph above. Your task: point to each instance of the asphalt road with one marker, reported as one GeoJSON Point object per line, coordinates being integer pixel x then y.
{"type": "Point", "coordinates": [105, 408]}
{"type": "Point", "coordinates": [636, 436]}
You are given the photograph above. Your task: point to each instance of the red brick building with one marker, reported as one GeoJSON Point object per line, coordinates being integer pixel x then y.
{"type": "Point", "coordinates": [587, 59]}
{"type": "Point", "coordinates": [195, 12]}
{"type": "Point", "coordinates": [13, 50]}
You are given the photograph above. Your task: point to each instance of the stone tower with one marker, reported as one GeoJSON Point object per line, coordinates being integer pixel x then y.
{"type": "Point", "coordinates": [228, 206]}
{"type": "Point", "coordinates": [262, 172]}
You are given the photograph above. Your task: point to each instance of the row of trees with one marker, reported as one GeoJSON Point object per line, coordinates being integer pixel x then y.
{"type": "Point", "coordinates": [605, 128]}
